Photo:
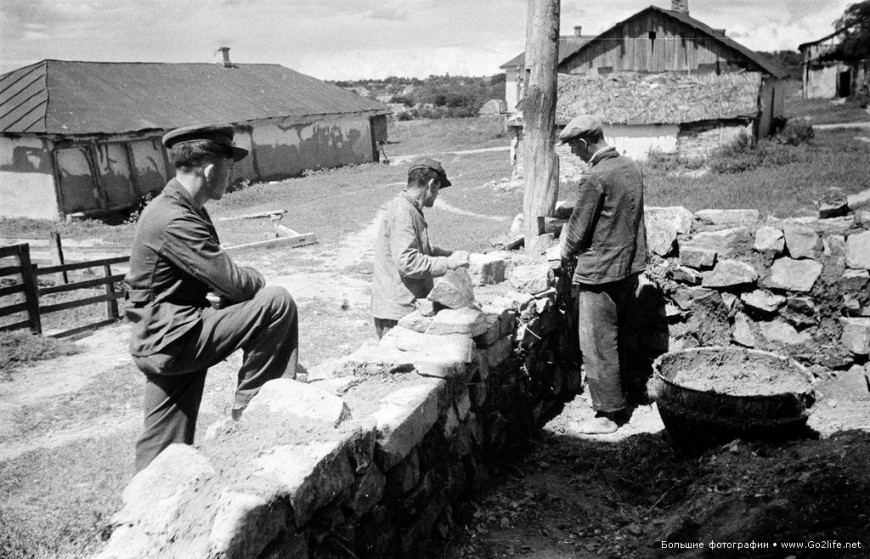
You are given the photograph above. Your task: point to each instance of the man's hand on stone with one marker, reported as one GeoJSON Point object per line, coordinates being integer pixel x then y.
{"type": "Point", "coordinates": [459, 259]}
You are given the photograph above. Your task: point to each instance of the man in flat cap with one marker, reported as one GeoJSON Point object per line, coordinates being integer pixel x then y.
{"type": "Point", "coordinates": [606, 233]}
{"type": "Point", "coordinates": [405, 262]}
{"type": "Point", "coordinates": [191, 306]}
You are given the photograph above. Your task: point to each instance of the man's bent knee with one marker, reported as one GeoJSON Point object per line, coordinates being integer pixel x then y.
{"type": "Point", "coordinates": [277, 299]}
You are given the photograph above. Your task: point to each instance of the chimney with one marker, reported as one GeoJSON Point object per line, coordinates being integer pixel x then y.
{"type": "Point", "coordinates": [680, 6]}
{"type": "Point", "coordinates": [225, 51]}
{"type": "Point", "coordinates": [577, 29]}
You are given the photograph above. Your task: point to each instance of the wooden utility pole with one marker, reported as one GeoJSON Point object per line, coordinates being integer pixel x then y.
{"type": "Point", "coordinates": [540, 163]}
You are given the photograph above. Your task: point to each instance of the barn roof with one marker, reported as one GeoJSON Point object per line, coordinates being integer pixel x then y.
{"type": "Point", "coordinates": [764, 64]}
{"type": "Point", "coordinates": [65, 97]}
{"type": "Point", "coordinates": [568, 45]}
{"type": "Point", "coordinates": [630, 98]}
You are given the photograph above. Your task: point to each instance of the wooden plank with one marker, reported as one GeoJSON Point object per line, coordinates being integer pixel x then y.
{"type": "Point", "coordinates": [18, 288]}
{"type": "Point", "coordinates": [81, 284]}
{"type": "Point", "coordinates": [287, 242]}
{"type": "Point", "coordinates": [79, 303]}
{"type": "Point", "coordinates": [80, 329]}
{"type": "Point", "coordinates": [111, 304]}
{"type": "Point", "coordinates": [57, 255]}
{"type": "Point", "coordinates": [253, 216]}
{"type": "Point", "coordinates": [28, 278]}
{"type": "Point", "coordinates": [84, 265]}
{"type": "Point", "coordinates": [15, 325]}
{"type": "Point", "coordinates": [13, 309]}
{"type": "Point", "coordinates": [9, 271]}
{"type": "Point", "coordinates": [9, 250]}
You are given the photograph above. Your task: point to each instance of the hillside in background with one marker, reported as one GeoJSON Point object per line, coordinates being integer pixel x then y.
{"type": "Point", "coordinates": [432, 97]}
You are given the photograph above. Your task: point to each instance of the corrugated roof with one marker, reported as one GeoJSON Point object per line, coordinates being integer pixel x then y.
{"type": "Point", "coordinates": [568, 45]}
{"type": "Point", "coordinates": [671, 98]}
{"type": "Point", "coordinates": [64, 97]}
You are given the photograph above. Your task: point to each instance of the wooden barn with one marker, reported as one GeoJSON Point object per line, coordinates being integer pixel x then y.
{"type": "Point", "coordinates": [84, 137]}
{"type": "Point", "coordinates": [654, 40]}
{"type": "Point", "coordinates": [669, 113]}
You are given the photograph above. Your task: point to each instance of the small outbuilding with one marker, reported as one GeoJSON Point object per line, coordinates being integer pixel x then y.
{"type": "Point", "coordinates": [670, 113]}
{"type": "Point", "coordinates": [827, 74]}
{"type": "Point", "coordinates": [84, 137]}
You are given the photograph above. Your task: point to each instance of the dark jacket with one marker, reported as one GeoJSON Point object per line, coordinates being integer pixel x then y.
{"type": "Point", "coordinates": [176, 259]}
{"type": "Point", "coordinates": [606, 230]}
{"type": "Point", "coordinates": [405, 263]}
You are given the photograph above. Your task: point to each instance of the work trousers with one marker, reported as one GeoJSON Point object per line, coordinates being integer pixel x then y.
{"type": "Point", "coordinates": [384, 325]}
{"type": "Point", "coordinates": [266, 328]}
{"type": "Point", "coordinates": [601, 313]}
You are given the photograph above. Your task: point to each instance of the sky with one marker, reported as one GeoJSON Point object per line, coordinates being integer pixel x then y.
{"type": "Point", "coordinates": [356, 39]}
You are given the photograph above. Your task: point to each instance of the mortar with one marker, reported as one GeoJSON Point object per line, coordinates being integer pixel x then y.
{"type": "Point", "coordinates": [710, 395]}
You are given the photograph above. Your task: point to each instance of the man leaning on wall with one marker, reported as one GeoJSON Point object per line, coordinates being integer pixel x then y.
{"type": "Point", "coordinates": [607, 235]}
{"type": "Point", "coordinates": [191, 306]}
{"type": "Point", "coordinates": [405, 262]}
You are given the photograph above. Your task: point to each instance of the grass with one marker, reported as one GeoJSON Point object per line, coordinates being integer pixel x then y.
{"type": "Point", "coordinates": [835, 159]}
{"type": "Point", "coordinates": [20, 347]}
{"type": "Point", "coordinates": [414, 137]}
{"type": "Point", "coordinates": [821, 111]}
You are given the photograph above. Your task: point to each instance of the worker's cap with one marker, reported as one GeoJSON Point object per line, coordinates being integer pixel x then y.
{"type": "Point", "coordinates": [218, 133]}
{"type": "Point", "coordinates": [429, 163]}
{"type": "Point", "coordinates": [580, 127]}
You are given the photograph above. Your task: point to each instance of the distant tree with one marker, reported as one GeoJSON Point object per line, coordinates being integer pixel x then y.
{"type": "Point", "coordinates": [497, 79]}
{"type": "Point", "coordinates": [856, 39]}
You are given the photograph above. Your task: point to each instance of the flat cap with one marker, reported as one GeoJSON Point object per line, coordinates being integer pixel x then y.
{"type": "Point", "coordinates": [424, 162]}
{"type": "Point", "coordinates": [580, 126]}
{"type": "Point", "coordinates": [218, 133]}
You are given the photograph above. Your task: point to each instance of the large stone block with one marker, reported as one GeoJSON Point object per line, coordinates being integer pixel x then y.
{"type": "Point", "coordinates": [742, 333]}
{"type": "Point", "coordinates": [453, 290]}
{"type": "Point", "coordinates": [466, 321]}
{"type": "Point", "coordinates": [762, 300]}
{"type": "Point", "coordinates": [244, 525]}
{"type": "Point", "coordinates": [855, 280]}
{"type": "Point", "coordinates": [498, 353]}
{"type": "Point", "coordinates": [793, 275]}
{"type": "Point", "coordinates": [297, 400]}
{"type": "Point", "coordinates": [488, 269]}
{"type": "Point", "coordinates": [310, 475]}
{"type": "Point", "coordinates": [800, 241]}
{"type": "Point", "coordinates": [367, 492]}
{"type": "Point", "coordinates": [697, 257]}
{"type": "Point", "coordinates": [360, 443]}
{"type": "Point", "coordinates": [725, 242]}
{"type": "Point", "coordinates": [769, 240]}
{"type": "Point", "coordinates": [834, 245]}
{"type": "Point", "coordinates": [686, 275]}
{"type": "Point", "coordinates": [858, 251]}
{"type": "Point", "coordinates": [728, 217]}
{"type": "Point", "coordinates": [730, 273]}
{"type": "Point", "coordinates": [403, 418]}
{"type": "Point", "coordinates": [530, 278]}
{"type": "Point", "coordinates": [661, 236]}
{"type": "Point", "coordinates": [155, 495]}
{"type": "Point", "coordinates": [856, 335]}
{"type": "Point", "coordinates": [678, 217]}
{"type": "Point", "coordinates": [459, 348]}
{"type": "Point", "coordinates": [782, 332]}
{"type": "Point", "coordinates": [416, 322]}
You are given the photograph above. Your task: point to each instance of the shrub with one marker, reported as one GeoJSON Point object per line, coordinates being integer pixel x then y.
{"type": "Point", "coordinates": [744, 154]}
{"type": "Point", "coordinates": [796, 132]}
{"type": "Point", "coordinates": [21, 347]}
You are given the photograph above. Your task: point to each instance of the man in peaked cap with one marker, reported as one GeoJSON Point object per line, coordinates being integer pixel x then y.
{"type": "Point", "coordinates": [405, 262]}
{"type": "Point", "coordinates": [606, 234]}
{"type": "Point", "coordinates": [191, 306]}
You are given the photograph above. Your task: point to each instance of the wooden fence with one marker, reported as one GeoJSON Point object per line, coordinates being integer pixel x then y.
{"type": "Point", "coordinates": [32, 292]}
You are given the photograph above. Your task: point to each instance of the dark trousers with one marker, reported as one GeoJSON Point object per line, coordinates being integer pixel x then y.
{"type": "Point", "coordinates": [266, 328]}
{"type": "Point", "coordinates": [384, 325]}
{"type": "Point", "coordinates": [601, 314]}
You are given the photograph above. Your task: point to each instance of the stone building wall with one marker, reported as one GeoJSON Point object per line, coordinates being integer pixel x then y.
{"type": "Point", "coordinates": [371, 456]}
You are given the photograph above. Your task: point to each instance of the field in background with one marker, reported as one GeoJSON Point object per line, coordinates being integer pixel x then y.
{"type": "Point", "coordinates": [822, 111]}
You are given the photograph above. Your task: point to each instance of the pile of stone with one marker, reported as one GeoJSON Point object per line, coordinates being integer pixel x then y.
{"type": "Point", "coordinates": [797, 286]}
